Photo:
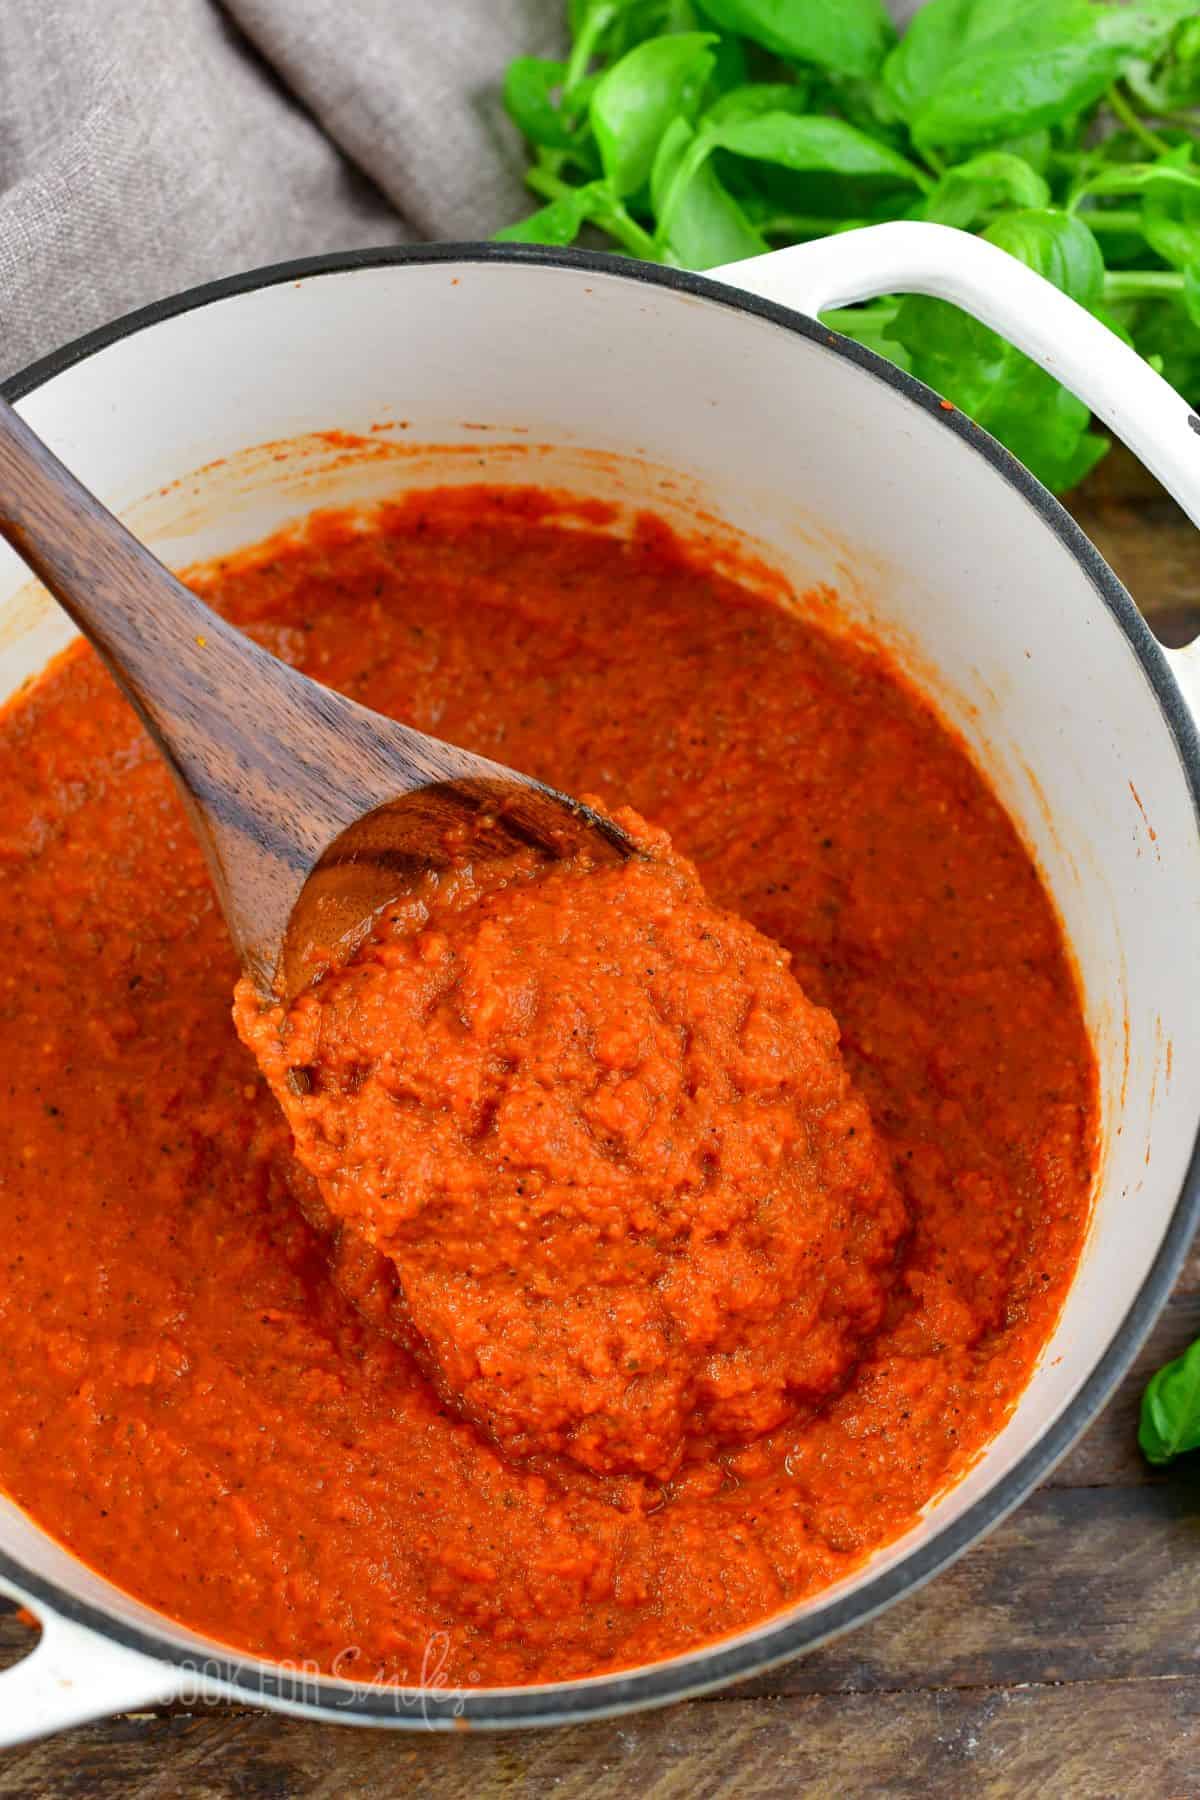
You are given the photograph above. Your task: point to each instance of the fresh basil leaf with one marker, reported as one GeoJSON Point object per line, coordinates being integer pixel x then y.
{"type": "Point", "coordinates": [753, 99]}
{"type": "Point", "coordinates": [1147, 26]}
{"type": "Point", "coordinates": [866, 103]}
{"type": "Point", "coordinates": [561, 221]}
{"type": "Point", "coordinates": [1170, 1421]}
{"type": "Point", "coordinates": [794, 120]}
{"type": "Point", "coordinates": [606, 29]}
{"type": "Point", "coordinates": [1039, 421]}
{"type": "Point", "coordinates": [1186, 48]}
{"type": "Point", "coordinates": [708, 227]}
{"type": "Point", "coordinates": [811, 142]}
{"type": "Point", "coordinates": [941, 35]}
{"type": "Point", "coordinates": [1047, 428]}
{"type": "Point", "coordinates": [850, 36]}
{"type": "Point", "coordinates": [1139, 178]}
{"type": "Point", "coordinates": [1170, 216]}
{"type": "Point", "coordinates": [972, 189]}
{"type": "Point", "coordinates": [1191, 293]}
{"type": "Point", "coordinates": [642, 19]}
{"type": "Point", "coordinates": [1059, 246]}
{"type": "Point", "coordinates": [1044, 425]}
{"type": "Point", "coordinates": [589, 20]}
{"type": "Point", "coordinates": [530, 86]}
{"type": "Point", "coordinates": [729, 65]}
{"type": "Point", "coordinates": [971, 71]}
{"type": "Point", "coordinates": [1173, 169]}
{"type": "Point", "coordinates": [634, 102]}
{"type": "Point", "coordinates": [799, 144]}
{"type": "Point", "coordinates": [801, 207]}
{"type": "Point", "coordinates": [1171, 225]}
{"type": "Point", "coordinates": [1034, 147]}
{"type": "Point", "coordinates": [1171, 81]}
{"type": "Point", "coordinates": [1012, 86]}
{"type": "Point", "coordinates": [1164, 332]}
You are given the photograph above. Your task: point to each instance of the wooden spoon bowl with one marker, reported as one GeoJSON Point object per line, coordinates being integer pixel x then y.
{"type": "Point", "coordinates": [313, 811]}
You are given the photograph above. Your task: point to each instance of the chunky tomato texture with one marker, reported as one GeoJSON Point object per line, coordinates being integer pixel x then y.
{"type": "Point", "coordinates": [208, 1387]}
{"type": "Point", "coordinates": [634, 1206]}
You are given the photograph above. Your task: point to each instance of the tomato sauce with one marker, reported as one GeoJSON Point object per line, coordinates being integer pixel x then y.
{"type": "Point", "coordinates": [204, 1387]}
{"type": "Point", "coordinates": [628, 1206]}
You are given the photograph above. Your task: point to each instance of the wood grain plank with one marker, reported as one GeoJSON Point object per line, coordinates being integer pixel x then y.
{"type": "Point", "coordinates": [1148, 541]}
{"type": "Point", "coordinates": [17, 1635]}
{"type": "Point", "coordinates": [1092, 1741]}
{"type": "Point", "coordinates": [1152, 549]}
{"type": "Point", "coordinates": [1189, 1275]}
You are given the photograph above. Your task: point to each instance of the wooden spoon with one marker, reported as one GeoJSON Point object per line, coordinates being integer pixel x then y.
{"type": "Point", "coordinates": [312, 810]}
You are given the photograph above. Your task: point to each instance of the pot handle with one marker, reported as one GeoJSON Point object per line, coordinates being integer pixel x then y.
{"type": "Point", "coordinates": [71, 1675]}
{"type": "Point", "coordinates": [908, 257]}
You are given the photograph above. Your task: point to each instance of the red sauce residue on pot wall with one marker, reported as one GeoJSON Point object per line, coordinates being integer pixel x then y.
{"type": "Point", "coordinates": [193, 1393]}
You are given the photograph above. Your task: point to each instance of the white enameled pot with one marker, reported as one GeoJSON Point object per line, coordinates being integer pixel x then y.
{"type": "Point", "coordinates": [720, 395]}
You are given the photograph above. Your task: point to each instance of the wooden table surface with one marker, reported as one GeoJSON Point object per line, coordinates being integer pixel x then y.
{"type": "Point", "coordinates": [1060, 1657]}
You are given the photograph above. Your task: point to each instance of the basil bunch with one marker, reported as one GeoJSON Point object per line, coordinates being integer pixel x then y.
{"type": "Point", "coordinates": [1170, 1422]}
{"type": "Point", "coordinates": [700, 132]}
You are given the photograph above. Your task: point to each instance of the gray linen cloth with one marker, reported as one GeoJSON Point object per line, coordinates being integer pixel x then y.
{"type": "Point", "coordinates": [146, 145]}
{"type": "Point", "coordinates": [150, 145]}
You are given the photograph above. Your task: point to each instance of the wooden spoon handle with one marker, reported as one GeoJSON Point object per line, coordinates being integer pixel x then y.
{"type": "Point", "coordinates": [143, 620]}
{"type": "Point", "coordinates": [274, 768]}
{"type": "Point", "coordinates": [271, 764]}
